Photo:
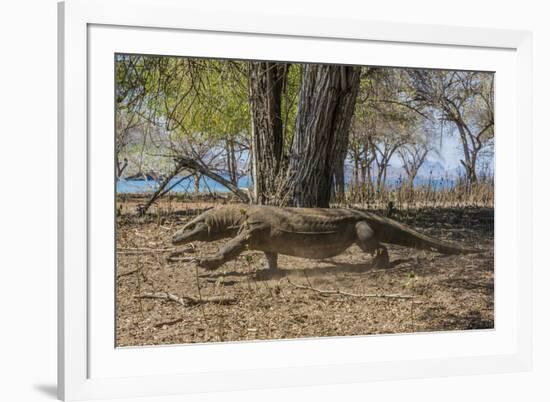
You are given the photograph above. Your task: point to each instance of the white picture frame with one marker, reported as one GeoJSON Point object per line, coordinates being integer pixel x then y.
{"type": "Point", "coordinates": [89, 365]}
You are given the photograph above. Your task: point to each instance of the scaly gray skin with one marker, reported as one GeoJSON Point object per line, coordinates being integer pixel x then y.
{"type": "Point", "coordinates": [214, 224]}
{"type": "Point", "coordinates": [319, 233]}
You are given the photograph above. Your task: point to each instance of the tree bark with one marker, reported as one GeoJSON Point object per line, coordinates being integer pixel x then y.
{"type": "Point", "coordinates": [231, 161]}
{"type": "Point", "coordinates": [470, 155]}
{"type": "Point", "coordinates": [365, 174]}
{"type": "Point", "coordinates": [197, 182]}
{"type": "Point", "coordinates": [355, 174]}
{"type": "Point", "coordinates": [325, 108]}
{"type": "Point", "coordinates": [266, 83]}
{"type": "Point", "coordinates": [340, 180]}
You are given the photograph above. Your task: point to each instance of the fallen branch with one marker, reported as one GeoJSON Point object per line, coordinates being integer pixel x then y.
{"type": "Point", "coordinates": [159, 250]}
{"type": "Point", "coordinates": [127, 273]}
{"type": "Point", "coordinates": [141, 210]}
{"type": "Point", "coordinates": [143, 250]}
{"type": "Point", "coordinates": [342, 293]}
{"type": "Point", "coordinates": [171, 322]}
{"type": "Point", "coordinates": [188, 163]}
{"type": "Point", "coordinates": [188, 300]}
{"type": "Point", "coordinates": [182, 259]}
{"type": "Point", "coordinates": [173, 256]}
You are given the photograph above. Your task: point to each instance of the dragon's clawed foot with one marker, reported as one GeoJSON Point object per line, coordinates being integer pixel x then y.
{"type": "Point", "coordinates": [381, 258]}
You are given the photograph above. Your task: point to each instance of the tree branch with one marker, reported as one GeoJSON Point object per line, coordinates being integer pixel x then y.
{"type": "Point", "coordinates": [192, 164]}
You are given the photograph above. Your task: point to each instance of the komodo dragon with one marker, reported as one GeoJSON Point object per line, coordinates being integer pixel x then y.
{"type": "Point", "coordinates": [315, 233]}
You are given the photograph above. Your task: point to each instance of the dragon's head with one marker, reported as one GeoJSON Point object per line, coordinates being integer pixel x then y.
{"type": "Point", "coordinates": [193, 231]}
{"type": "Point", "coordinates": [214, 224]}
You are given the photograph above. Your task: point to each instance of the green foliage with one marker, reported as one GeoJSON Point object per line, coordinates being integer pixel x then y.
{"type": "Point", "coordinates": [189, 100]}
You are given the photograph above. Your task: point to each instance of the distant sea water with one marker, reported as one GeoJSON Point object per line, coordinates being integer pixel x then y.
{"type": "Point", "coordinates": [186, 185]}
{"type": "Point", "coordinates": [208, 185]}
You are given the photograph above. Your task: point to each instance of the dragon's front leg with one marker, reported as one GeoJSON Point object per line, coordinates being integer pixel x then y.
{"type": "Point", "coordinates": [228, 252]}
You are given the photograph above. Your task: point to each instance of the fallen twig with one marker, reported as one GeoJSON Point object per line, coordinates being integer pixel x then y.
{"type": "Point", "coordinates": [182, 259]}
{"type": "Point", "coordinates": [187, 300]}
{"type": "Point", "coordinates": [190, 248]}
{"type": "Point", "coordinates": [342, 293]}
{"type": "Point", "coordinates": [173, 257]}
{"type": "Point", "coordinates": [143, 250]}
{"type": "Point", "coordinates": [133, 271]}
{"type": "Point", "coordinates": [171, 322]}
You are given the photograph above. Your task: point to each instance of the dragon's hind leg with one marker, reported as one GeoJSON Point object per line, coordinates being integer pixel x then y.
{"type": "Point", "coordinates": [271, 260]}
{"type": "Point", "coordinates": [381, 257]}
{"type": "Point", "coordinates": [228, 252]}
{"type": "Point", "coordinates": [368, 242]}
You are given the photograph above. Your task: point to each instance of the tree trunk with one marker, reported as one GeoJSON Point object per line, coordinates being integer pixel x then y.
{"type": "Point", "coordinates": [380, 174]}
{"type": "Point", "coordinates": [469, 161]}
{"type": "Point", "coordinates": [366, 177]}
{"type": "Point", "coordinates": [384, 175]}
{"type": "Point", "coordinates": [368, 170]}
{"type": "Point", "coordinates": [197, 182]}
{"type": "Point", "coordinates": [265, 84]}
{"type": "Point", "coordinates": [355, 175]}
{"type": "Point", "coordinates": [325, 108]}
{"type": "Point", "coordinates": [231, 161]}
{"type": "Point", "coordinates": [340, 180]}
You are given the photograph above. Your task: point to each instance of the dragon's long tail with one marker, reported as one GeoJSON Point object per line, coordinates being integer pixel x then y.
{"type": "Point", "coordinates": [393, 232]}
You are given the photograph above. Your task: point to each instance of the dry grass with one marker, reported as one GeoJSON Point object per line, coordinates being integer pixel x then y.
{"type": "Point", "coordinates": [434, 194]}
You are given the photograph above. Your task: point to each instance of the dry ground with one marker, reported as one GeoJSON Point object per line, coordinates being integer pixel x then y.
{"type": "Point", "coordinates": [449, 292]}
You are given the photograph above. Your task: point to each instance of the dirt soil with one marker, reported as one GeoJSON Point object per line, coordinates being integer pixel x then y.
{"type": "Point", "coordinates": [449, 292]}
